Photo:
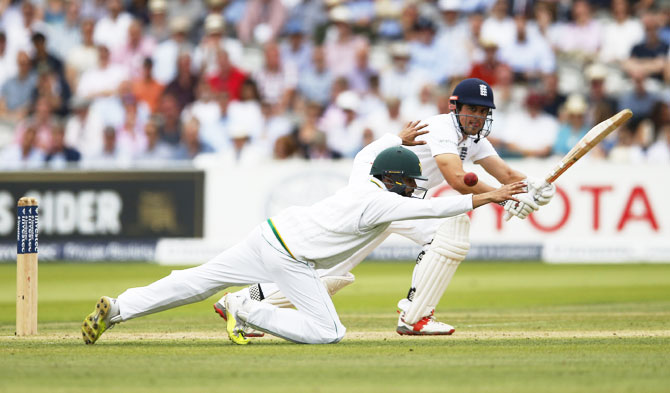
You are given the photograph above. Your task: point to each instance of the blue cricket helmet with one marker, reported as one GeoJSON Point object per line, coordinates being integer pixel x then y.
{"type": "Point", "coordinates": [473, 91]}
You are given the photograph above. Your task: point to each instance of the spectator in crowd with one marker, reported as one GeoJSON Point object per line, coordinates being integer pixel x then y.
{"type": "Point", "coordinates": [207, 111]}
{"type": "Point", "coordinates": [276, 81]}
{"type": "Point", "coordinates": [574, 127]}
{"type": "Point", "coordinates": [473, 45]}
{"type": "Point", "coordinates": [316, 82]}
{"type": "Point", "coordinates": [243, 151]}
{"type": "Point", "coordinates": [60, 154]}
{"type": "Point", "coordinates": [262, 21]}
{"type": "Point", "coordinates": [191, 10]}
{"type": "Point", "coordinates": [341, 48]}
{"type": "Point", "coordinates": [639, 99]}
{"type": "Point", "coordinates": [274, 125]}
{"type": "Point", "coordinates": [25, 154]}
{"type": "Point", "coordinates": [16, 92]}
{"type": "Point", "coordinates": [295, 49]}
{"type": "Point", "coordinates": [360, 76]}
{"type": "Point", "coordinates": [425, 52]}
{"type": "Point", "coordinates": [112, 29]}
{"type": "Point", "coordinates": [601, 105]}
{"type": "Point", "coordinates": [159, 28]}
{"type": "Point", "coordinates": [499, 27]}
{"type": "Point", "coordinates": [400, 80]}
{"type": "Point", "coordinates": [247, 110]}
{"type": "Point", "coordinates": [620, 34]}
{"type": "Point", "coordinates": [346, 138]}
{"type": "Point", "coordinates": [182, 87]}
{"type": "Point", "coordinates": [83, 57]}
{"type": "Point", "coordinates": [169, 125]}
{"type": "Point", "coordinates": [529, 55]}
{"type": "Point", "coordinates": [453, 41]}
{"type": "Point", "coordinates": [530, 132]}
{"type": "Point", "coordinates": [626, 151]}
{"type": "Point", "coordinates": [205, 56]}
{"type": "Point", "coordinates": [659, 152]}
{"type": "Point", "coordinates": [45, 60]}
{"type": "Point", "coordinates": [21, 27]}
{"type": "Point", "coordinates": [84, 128]}
{"type": "Point", "coordinates": [8, 67]}
{"type": "Point", "coordinates": [147, 89]}
{"type": "Point", "coordinates": [487, 68]}
{"type": "Point", "coordinates": [228, 79]}
{"type": "Point", "coordinates": [421, 107]}
{"type": "Point", "coordinates": [42, 119]}
{"type": "Point", "coordinates": [579, 39]}
{"type": "Point", "coordinates": [649, 57]}
{"type": "Point", "coordinates": [552, 98]}
{"type": "Point", "coordinates": [387, 118]}
{"type": "Point", "coordinates": [167, 52]}
{"type": "Point", "coordinates": [131, 54]}
{"type": "Point", "coordinates": [51, 86]}
{"type": "Point", "coordinates": [65, 34]}
{"type": "Point", "coordinates": [130, 138]}
{"type": "Point", "coordinates": [102, 81]}
{"type": "Point", "coordinates": [190, 144]}
{"type": "Point", "coordinates": [156, 150]}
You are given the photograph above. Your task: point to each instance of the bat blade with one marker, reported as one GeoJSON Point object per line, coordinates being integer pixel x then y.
{"type": "Point", "coordinates": [588, 142]}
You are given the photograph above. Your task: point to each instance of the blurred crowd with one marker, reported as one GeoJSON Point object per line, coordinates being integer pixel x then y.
{"type": "Point", "coordinates": [124, 83]}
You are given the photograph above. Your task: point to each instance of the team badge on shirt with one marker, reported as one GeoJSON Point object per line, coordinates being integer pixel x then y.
{"type": "Point", "coordinates": [462, 152]}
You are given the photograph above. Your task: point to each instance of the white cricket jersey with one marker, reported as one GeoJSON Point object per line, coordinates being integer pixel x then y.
{"type": "Point", "coordinates": [444, 138]}
{"type": "Point", "coordinates": [333, 229]}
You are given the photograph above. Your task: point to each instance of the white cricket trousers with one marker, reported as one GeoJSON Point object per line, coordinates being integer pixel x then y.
{"type": "Point", "coordinates": [256, 259]}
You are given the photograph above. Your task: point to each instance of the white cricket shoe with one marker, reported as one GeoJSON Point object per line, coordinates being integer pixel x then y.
{"type": "Point", "coordinates": [99, 320]}
{"type": "Point", "coordinates": [426, 326]}
{"type": "Point", "coordinates": [248, 331]}
{"type": "Point", "coordinates": [234, 305]}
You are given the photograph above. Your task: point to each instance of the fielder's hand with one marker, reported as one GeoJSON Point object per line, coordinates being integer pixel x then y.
{"type": "Point", "coordinates": [541, 191]}
{"type": "Point", "coordinates": [411, 131]}
{"type": "Point", "coordinates": [521, 209]}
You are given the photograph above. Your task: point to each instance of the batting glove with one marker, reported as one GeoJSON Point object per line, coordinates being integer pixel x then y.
{"type": "Point", "coordinates": [541, 191]}
{"type": "Point", "coordinates": [521, 209]}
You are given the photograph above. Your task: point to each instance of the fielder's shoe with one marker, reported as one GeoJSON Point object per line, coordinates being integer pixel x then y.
{"type": "Point", "coordinates": [426, 326]}
{"type": "Point", "coordinates": [99, 320]}
{"type": "Point", "coordinates": [248, 330]}
{"type": "Point", "coordinates": [235, 327]}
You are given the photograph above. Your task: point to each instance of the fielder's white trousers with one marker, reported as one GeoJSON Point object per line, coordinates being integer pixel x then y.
{"type": "Point", "coordinates": [258, 258]}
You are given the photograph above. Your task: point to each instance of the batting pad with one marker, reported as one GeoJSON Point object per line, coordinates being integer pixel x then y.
{"type": "Point", "coordinates": [333, 284]}
{"type": "Point", "coordinates": [433, 274]}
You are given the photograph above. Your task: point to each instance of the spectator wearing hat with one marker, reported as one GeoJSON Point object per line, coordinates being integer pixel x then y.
{"type": "Point", "coordinates": [83, 57]}
{"type": "Point", "coordinates": [205, 57]}
{"type": "Point", "coordinates": [158, 26]}
{"type": "Point", "coordinates": [648, 58]}
{"type": "Point", "coordinates": [399, 80]}
{"type": "Point", "coordinates": [346, 138]}
{"type": "Point", "coordinates": [602, 106]}
{"type": "Point", "coordinates": [191, 10]}
{"type": "Point", "coordinates": [262, 22]}
{"type": "Point", "coordinates": [530, 132]}
{"type": "Point", "coordinates": [486, 69]}
{"type": "Point", "coordinates": [166, 53]}
{"type": "Point", "coordinates": [316, 82]}
{"type": "Point", "coordinates": [132, 53]}
{"type": "Point", "coordinates": [529, 55]}
{"type": "Point", "coordinates": [16, 92]}
{"type": "Point", "coordinates": [228, 79]}
{"type": "Point", "coordinates": [620, 34]}
{"type": "Point", "coordinates": [342, 46]}
{"type": "Point", "coordinates": [574, 125]}
{"type": "Point", "coordinates": [112, 30]}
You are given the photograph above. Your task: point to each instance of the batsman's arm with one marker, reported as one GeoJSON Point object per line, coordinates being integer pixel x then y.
{"type": "Point", "coordinates": [451, 167]}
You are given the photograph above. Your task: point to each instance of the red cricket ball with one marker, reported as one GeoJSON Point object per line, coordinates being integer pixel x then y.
{"type": "Point", "coordinates": [470, 179]}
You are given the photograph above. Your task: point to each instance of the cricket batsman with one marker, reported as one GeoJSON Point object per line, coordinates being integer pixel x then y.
{"type": "Point", "coordinates": [452, 138]}
{"type": "Point", "coordinates": [288, 248]}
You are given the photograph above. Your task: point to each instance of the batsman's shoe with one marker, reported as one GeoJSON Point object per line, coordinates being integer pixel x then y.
{"type": "Point", "coordinates": [235, 328]}
{"type": "Point", "coordinates": [99, 320]}
{"type": "Point", "coordinates": [248, 330]}
{"type": "Point", "coordinates": [426, 326]}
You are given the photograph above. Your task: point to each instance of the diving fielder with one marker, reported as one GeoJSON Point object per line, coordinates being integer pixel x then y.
{"type": "Point", "coordinates": [289, 247]}
{"type": "Point", "coordinates": [453, 138]}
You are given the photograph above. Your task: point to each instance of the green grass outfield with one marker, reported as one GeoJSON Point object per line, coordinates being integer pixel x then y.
{"type": "Point", "coordinates": [521, 327]}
